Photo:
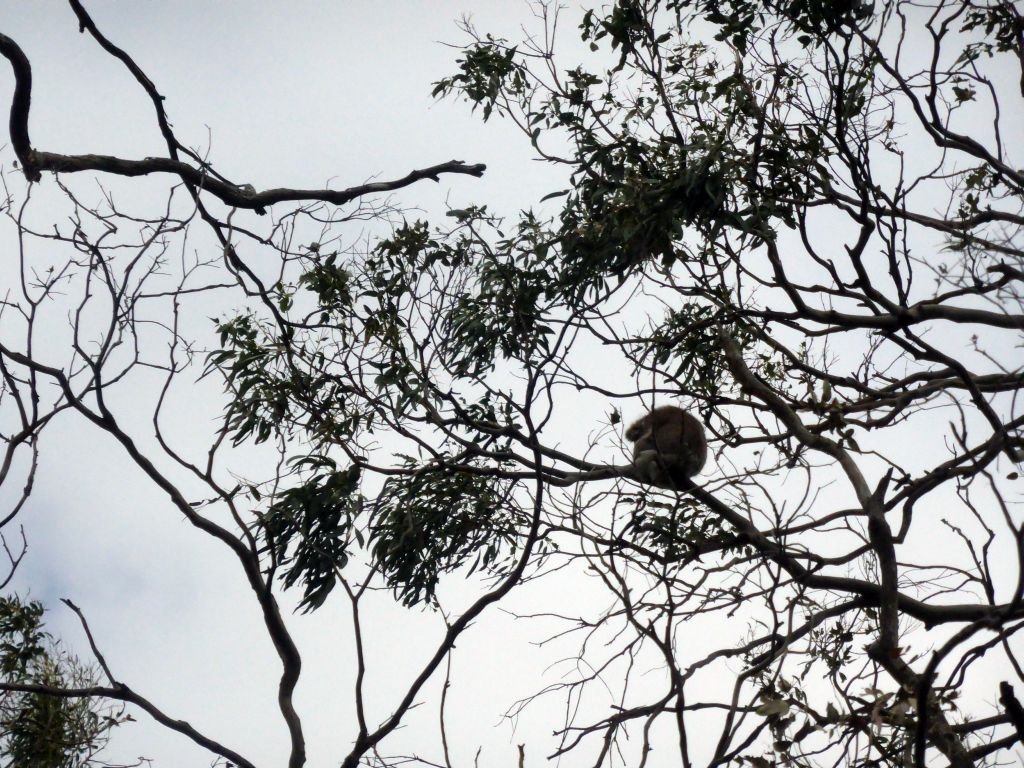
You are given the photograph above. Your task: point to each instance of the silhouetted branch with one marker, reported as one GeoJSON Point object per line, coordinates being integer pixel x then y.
{"type": "Point", "coordinates": [34, 162]}
{"type": "Point", "coordinates": [121, 692]}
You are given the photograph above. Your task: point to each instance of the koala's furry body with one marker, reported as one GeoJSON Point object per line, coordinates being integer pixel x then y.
{"type": "Point", "coordinates": [669, 446]}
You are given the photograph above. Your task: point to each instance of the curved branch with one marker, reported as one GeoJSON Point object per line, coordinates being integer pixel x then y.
{"type": "Point", "coordinates": [277, 630]}
{"type": "Point", "coordinates": [928, 614]}
{"type": "Point", "coordinates": [121, 692]}
{"type": "Point", "coordinates": [34, 162]}
{"type": "Point", "coordinates": [240, 196]}
{"type": "Point", "coordinates": [20, 105]}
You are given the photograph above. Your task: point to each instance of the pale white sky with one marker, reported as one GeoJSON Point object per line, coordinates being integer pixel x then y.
{"type": "Point", "coordinates": [296, 94]}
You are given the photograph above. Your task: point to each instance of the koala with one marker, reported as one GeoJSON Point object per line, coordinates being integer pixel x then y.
{"type": "Point", "coordinates": [669, 447]}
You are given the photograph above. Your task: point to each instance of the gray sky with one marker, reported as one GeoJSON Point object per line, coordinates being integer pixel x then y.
{"type": "Point", "coordinates": [294, 94]}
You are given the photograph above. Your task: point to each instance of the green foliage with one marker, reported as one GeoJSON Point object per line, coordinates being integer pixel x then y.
{"type": "Point", "coordinates": [308, 529]}
{"type": "Point", "coordinates": [813, 20]}
{"type": "Point", "coordinates": [277, 386]}
{"type": "Point", "coordinates": [833, 646]}
{"type": "Point", "coordinates": [1002, 27]}
{"type": "Point", "coordinates": [436, 521]}
{"type": "Point", "coordinates": [624, 25]}
{"type": "Point", "coordinates": [261, 398]}
{"type": "Point", "coordinates": [38, 730]}
{"type": "Point", "coordinates": [676, 528]}
{"type": "Point", "coordinates": [501, 304]}
{"type": "Point", "coordinates": [488, 71]}
{"type": "Point", "coordinates": [21, 635]}
{"type": "Point", "coordinates": [686, 345]}
{"type": "Point", "coordinates": [505, 311]}
{"type": "Point", "coordinates": [723, 165]}
{"type": "Point", "coordinates": [332, 284]}
{"type": "Point", "coordinates": [632, 208]}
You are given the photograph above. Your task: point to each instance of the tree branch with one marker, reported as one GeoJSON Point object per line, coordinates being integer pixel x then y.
{"type": "Point", "coordinates": [34, 162]}
{"type": "Point", "coordinates": [121, 692]}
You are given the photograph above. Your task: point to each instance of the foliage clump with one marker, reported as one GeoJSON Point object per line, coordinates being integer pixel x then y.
{"type": "Point", "coordinates": [38, 729]}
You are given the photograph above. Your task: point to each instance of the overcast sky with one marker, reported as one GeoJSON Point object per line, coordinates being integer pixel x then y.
{"type": "Point", "coordinates": [295, 94]}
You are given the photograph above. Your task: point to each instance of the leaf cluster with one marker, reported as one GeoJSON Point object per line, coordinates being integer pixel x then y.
{"type": "Point", "coordinates": [308, 528]}
{"type": "Point", "coordinates": [39, 730]}
{"type": "Point", "coordinates": [437, 521]}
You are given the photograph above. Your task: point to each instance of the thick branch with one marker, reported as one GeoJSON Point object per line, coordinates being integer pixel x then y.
{"type": "Point", "coordinates": [239, 197]}
{"type": "Point", "coordinates": [34, 162]}
{"type": "Point", "coordinates": [930, 615]}
{"type": "Point", "coordinates": [20, 104]}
